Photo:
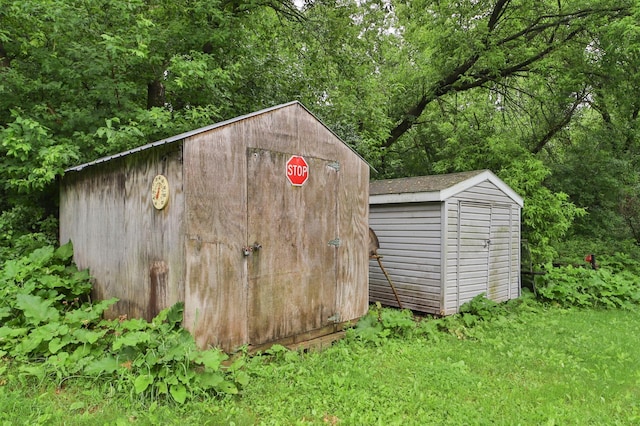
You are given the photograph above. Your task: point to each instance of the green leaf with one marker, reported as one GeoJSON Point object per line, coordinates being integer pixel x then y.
{"type": "Point", "coordinates": [11, 270]}
{"type": "Point", "coordinates": [88, 336]}
{"type": "Point", "coordinates": [64, 252]}
{"type": "Point", "coordinates": [56, 344]}
{"type": "Point", "coordinates": [78, 405]}
{"type": "Point", "coordinates": [172, 315]}
{"type": "Point", "coordinates": [131, 339]}
{"type": "Point", "coordinates": [211, 358]}
{"type": "Point", "coordinates": [142, 382]}
{"type": "Point", "coordinates": [10, 332]}
{"type": "Point", "coordinates": [35, 309]}
{"type": "Point", "coordinates": [162, 387]}
{"type": "Point", "coordinates": [42, 255]}
{"type": "Point", "coordinates": [227, 387]}
{"type": "Point", "coordinates": [209, 380]}
{"type": "Point", "coordinates": [34, 370]}
{"type": "Point", "coordinates": [134, 324]}
{"type": "Point", "coordinates": [107, 365]}
{"type": "Point", "coordinates": [179, 393]}
{"type": "Point", "coordinates": [90, 313]}
{"type": "Point", "coordinates": [242, 378]}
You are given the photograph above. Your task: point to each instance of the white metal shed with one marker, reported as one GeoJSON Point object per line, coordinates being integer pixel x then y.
{"type": "Point", "coordinates": [444, 240]}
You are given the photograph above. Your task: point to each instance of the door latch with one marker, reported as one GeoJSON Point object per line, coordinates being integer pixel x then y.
{"type": "Point", "coordinates": [335, 243]}
{"type": "Point", "coordinates": [247, 250]}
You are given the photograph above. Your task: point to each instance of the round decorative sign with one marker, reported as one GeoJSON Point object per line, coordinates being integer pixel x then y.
{"type": "Point", "coordinates": [160, 192]}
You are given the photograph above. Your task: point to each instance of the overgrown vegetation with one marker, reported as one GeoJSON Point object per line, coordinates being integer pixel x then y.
{"type": "Point", "coordinates": [55, 345]}
{"type": "Point", "coordinates": [532, 90]}
{"type": "Point", "coordinates": [53, 331]}
{"type": "Point", "coordinates": [571, 286]}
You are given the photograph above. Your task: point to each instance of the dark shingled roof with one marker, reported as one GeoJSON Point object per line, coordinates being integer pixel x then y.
{"type": "Point", "coordinates": [431, 183]}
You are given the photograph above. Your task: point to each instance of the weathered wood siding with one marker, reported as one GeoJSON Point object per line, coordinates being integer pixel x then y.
{"type": "Point", "coordinates": [135, 252]}
{"type": "Point", "coordinates": [483, 234]}
{"type": "Point", "coordinates": [228, 191]}
{"type": "Point", "coordinates": [238, 195]}
{"type": "Point", "coordinates": [216, 230]}
{"type": "Point", "coordinates": [410, 243]}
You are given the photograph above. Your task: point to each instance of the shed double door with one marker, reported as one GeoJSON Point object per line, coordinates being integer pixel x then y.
{"type": "Point", "coordinates": [292, 275]}
{"type": "Point", "coordinates": [484, 251]}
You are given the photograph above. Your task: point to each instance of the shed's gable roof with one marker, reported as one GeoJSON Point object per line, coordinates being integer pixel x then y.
{"type": "Point", "coordinates": [434, 187]}
{"type": "Point", "coordinates": [214, 126]}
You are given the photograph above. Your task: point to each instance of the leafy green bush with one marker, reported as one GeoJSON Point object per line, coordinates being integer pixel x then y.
{"type": "Point", "coordinates": [381, 323]}
{"type": "Point", "coordinates": [584, 287]}
{"type": "Point", "coordinates": [50, 326]}
{"type": "Point", "coordinates": [615, 255]}
{"type": "Point", "coordinates": [18, 236]}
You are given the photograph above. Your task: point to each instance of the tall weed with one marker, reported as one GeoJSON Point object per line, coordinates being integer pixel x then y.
{"type": "Point", "coordinates": [49, 324]}
{"type": "Point", "coordinates": [381, 324]}
{"type": "Point", "coordinates": [583, 287]}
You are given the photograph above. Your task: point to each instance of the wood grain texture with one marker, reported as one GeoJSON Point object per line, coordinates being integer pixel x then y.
{"type": "Point", "coordinates": [292, 277]}
{"type": "Point", "coordinates": [216, 271]}
{"type": "Point", "coordinates": [238, 195]}
{"type": "Point", "coordinates": [353, 230]}
{"type": "Point", "coordinates": [133, 251]}
{"type": "Point", "coordinates": [228, 190]}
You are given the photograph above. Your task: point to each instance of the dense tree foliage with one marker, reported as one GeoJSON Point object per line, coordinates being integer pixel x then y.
{"type": "Point", "coordinates": [544, 93]}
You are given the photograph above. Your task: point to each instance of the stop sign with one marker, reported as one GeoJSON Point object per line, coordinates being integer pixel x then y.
{"type": "Point", "coordinates": [297, 170]}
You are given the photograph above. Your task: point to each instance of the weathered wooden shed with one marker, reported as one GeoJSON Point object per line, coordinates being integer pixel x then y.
{"type": "Point", "coordinates": [258, 224]}
{"type": "Point", "coordinates": [444, 240]}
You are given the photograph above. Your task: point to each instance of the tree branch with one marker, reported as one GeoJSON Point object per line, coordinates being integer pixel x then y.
{"type": "Point", "coordinates": [5, 62]}
{"type": "Point", "coordinates": [555, 128]}
{"type": "Point", "coordinates": [498, 11]}
{"type": "Point", "coordinates": [534, 29]}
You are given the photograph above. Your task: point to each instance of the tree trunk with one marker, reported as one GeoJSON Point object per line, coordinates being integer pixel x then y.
{"type": "Point", "coordinates": [155, 94]}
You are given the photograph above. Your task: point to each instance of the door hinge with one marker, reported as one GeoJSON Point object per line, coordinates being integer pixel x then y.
{"type": "Point", "coordinates": [334, 165]}
{"type": "Point", "coordinates": [335, 243]}
{"type": "Point", "coordinates": [335, 318]}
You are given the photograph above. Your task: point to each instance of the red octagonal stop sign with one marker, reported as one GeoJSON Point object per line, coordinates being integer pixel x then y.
{"type": "Point", "coordinates": [297, 170]}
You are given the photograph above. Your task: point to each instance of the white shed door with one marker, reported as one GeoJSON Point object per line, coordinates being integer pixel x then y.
{"type": "Point", "coordinates": [484, 256]}
{"type": "Point", "coordinates": [292, 276]}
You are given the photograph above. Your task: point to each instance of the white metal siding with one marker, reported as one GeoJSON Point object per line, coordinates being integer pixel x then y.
{"type": "Point", "coordinates": [494, 269]}
{"type": "Point", "coordinates": [515, 252]}
{"type": "Point", "coordinates": [473, 267]}
{"type": "Point", "coordinates": [499, 254]}
{"type": "Point", "coordinates": [452, 261]}
{"type": "Point", "coordinates": [437, 252]}
{"type": "Point", "coordinates": [485, 192]}
{"type": "Point", "coordinates": [410, 243]}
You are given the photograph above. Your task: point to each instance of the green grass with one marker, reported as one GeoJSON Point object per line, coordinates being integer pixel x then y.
{"type": "Point", "coordinates": [550, 366]}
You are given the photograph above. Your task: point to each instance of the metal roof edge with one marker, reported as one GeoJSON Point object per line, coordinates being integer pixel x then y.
{"type": "Point", "coordinates": [444, 194]}
{"type": "Point", "coordinates": [477, 179]}
{"type": "Point", "coordinates": [405, 197]}
{"type": "Point", "coordinates": [194, 132]}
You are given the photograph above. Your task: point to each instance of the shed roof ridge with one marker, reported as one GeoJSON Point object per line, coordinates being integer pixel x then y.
{"type": "Point", "coordinates": [212, 126]}
{"type": "Point", "coordinates": [436, 187]}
